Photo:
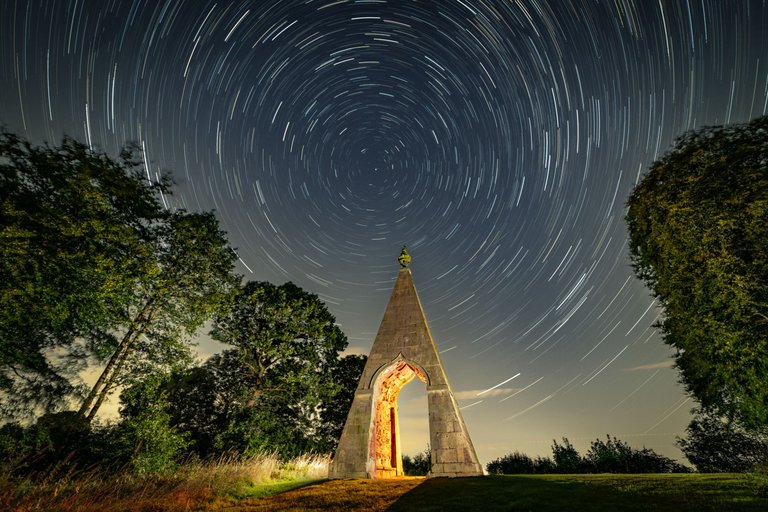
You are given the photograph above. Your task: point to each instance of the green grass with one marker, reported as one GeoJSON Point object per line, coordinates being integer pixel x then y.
{"type": "Point", "coordinates": [693, 492]}
{"type": "Point", "coordinates": [266, 489]}
{"type": "Point", "coordinates": [265, 484]}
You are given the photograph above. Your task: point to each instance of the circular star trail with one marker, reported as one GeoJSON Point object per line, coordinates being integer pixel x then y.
{"type": "Point", "coordinates": [497, 139]}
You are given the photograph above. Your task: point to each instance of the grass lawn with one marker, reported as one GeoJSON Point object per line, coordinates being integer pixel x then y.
{"type": "Point", "coordinates": [262, 490]}
{"type": "Point", "coordinates": [328, 496]}
{"type": "Point", "coordinates": [694, 492]}
{"type": "Point", "coordinates": [249, 487]}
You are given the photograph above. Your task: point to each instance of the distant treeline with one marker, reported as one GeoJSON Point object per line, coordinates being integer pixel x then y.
{"type": "Point", "coordinates": [609, 456]}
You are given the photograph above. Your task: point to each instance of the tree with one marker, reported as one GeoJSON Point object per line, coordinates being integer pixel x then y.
{"type": "Point", "coordinates": [200, 401]}
{"type": "Point", "coordinates": [418, 465]}
{"type": "Point", "coordinates": [698, 237]}
{"type": "Point", "coordinates": [345, 373]}
{"type": "Point", "coordinates": [616, 456]}
{"type": "Point", "coordinates": [289, 343]}
{"type": "Point", "coordinates": [566, 457]}
{"type": "Point", "coordinates": [93, 269]}
{"type": "Point", "coordinates": [190, 280]}
{"type": "Point", "coordinates": [511, 464]}
{"type": "Point", "coordinates": [154, 445]}
{"type": "Point", "coordinates": [209, 404]}
{"type": "Point", "coordinates": [72, 228]}
{"type": "Point", "coordinates": [714, 444]}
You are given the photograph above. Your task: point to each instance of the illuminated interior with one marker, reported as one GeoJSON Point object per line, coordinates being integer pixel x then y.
{"type": "Point", "coordinates": [385, 448]}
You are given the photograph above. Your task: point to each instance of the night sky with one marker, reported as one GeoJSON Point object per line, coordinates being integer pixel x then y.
{"type": "Point", "coordinates": [498, 139]}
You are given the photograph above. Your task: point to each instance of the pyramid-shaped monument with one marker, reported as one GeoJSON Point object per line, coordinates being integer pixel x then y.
{"type": "Point", "coordinates": [403, 349]}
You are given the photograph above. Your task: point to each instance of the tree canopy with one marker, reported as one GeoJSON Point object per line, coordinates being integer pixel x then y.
{"type": "Point", "coordinates": [73, 224]}
{"type": "Point", "coordinates": [217, 406]}
{"type": "Point", "coordinates": [288, 343]}
{"type": "Point", "coordinates": [189, 279]}
{"type": "Point", "coordinates": [94, 270]}
{"type": "Point", "coordinates": [698, 237]}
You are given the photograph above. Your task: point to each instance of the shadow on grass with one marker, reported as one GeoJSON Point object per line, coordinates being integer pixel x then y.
{"type": "Point", "coordinates": [585, 492]}
{"type": "Point", "coordinates": [330, 496]}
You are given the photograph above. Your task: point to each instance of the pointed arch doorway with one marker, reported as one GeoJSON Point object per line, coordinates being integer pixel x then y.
{"type": "Point", "coordinates": [385, 449]}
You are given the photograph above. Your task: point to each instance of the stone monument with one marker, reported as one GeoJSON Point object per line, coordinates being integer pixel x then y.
{"type": "Point", "coordinates": [403, 349]}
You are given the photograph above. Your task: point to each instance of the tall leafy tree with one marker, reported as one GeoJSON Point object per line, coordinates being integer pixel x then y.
{"type": "Point", "coordinates": [289, 343]}
{"type": "Point", "coordinates": [190, 279]}
{"type": "Point", "coordinates": [146, 436]}
{"type": "Point", "coordinates": [94, 270]}
{"type": "Point", "coordinates": [73, 225]}
{"type": "Point", "coordinates": [698, 230]}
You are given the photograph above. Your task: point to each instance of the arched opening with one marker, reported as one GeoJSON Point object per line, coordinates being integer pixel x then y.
{"type": "Point", "coordinates": [384, 452]}
{"type": "Point", "coordinates": [413, 419]}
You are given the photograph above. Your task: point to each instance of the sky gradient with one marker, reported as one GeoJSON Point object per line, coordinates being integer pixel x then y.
{"type": "Point", "coordinates": [498, 139]}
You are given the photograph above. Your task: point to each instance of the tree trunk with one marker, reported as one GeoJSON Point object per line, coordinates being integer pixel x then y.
{"type": "Point", "coordinates": [100, 389]}
{"type": "Point", "coordinates": [106, 372]}
{"type": "Point", "coordinates": [108, 385]}
{"type": "Point", "coordinates": [259, 381]}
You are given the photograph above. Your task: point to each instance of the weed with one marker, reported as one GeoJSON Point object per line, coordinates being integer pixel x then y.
{"type": "Point", "coordinates": [192, 484]}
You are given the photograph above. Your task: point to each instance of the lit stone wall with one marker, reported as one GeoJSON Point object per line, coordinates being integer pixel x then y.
{"type": "Point", "coordinates": [370, 443]}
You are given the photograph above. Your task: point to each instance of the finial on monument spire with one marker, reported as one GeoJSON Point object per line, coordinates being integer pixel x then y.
{"type": "Point", "coordinates": [404, 258]}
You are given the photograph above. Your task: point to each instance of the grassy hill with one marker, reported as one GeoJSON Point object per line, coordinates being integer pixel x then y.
{"type": "Point", "coordinates": [691, 492]}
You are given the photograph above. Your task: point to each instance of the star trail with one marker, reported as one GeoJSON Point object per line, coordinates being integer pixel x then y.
{"type": "Point", "coordinates": [498, 139]}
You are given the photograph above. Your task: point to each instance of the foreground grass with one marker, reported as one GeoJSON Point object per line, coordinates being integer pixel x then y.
{"type": "Point", "coordinates": [193, 486]}
{"type": "Point", "coordinates": [265, 484]}
{"type": "Point", "coordinates": [722, 492]}
{"type": "Point", "coordinates": [330, 496]}
{"type": "Point", "coordinates": [591, 492]}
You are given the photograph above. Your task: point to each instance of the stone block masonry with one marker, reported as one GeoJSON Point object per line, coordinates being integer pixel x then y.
{"type": "Point", "coordinates": [403, 349]}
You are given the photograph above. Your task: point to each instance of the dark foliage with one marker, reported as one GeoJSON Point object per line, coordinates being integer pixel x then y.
{"type": "Point", "coordinates": [615, 456]}
{"type": "Point", "coordinates": [609, 456]}
{"type": "Point", "coordinates": [698, 237]}
{"type": "Point", "coordinates": [54, 444]}
{"type": "Point", "coordinates": [713, 444]}
{"type": "Point", "coordinates": [511, 464]}
{"type": "Point", "coordinates": [419, 465]}
{"type": "Point", "coordinates": [566, 458]}
{"type": "Point", "coordinates": [73, 228]}
{"type": "Point", "coordinates": [345, 374]}
{"type": "Point", "coordinates": [297, 408]}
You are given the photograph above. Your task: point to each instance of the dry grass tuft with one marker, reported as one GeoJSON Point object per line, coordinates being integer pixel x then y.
{"type": "Point", "coordinates": [190, 487]}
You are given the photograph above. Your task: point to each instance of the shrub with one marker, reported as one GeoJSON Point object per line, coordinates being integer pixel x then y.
{"type": "Point", "coordinates": [566, 458]}
{"type": "Point", "coordinates": [510, 464]}
{"type": "Point", "coordinates": [610, 456]}
{"type": "Point", "coordinates": [419, 465]}
{"type": "Point", "coordinates": [615, 456]}
{"type": "Point", "coordinates": [55, 440]}
{"type": "Point", "coordinates": [714, 444]}
{"type": "Point", "coordinates": [543, 465]}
